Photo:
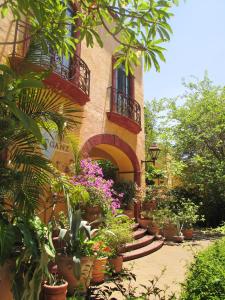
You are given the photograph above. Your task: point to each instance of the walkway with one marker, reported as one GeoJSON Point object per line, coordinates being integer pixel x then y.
{"type": "Point", "coordinates": [173, 259]}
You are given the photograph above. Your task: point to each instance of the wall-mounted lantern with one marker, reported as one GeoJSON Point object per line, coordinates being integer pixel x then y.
{"type": "Point", "coordinates": [153, 152]}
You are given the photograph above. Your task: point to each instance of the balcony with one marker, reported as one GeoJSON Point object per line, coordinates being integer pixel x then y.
{"type": "Point", "coordinates": [125, 111]}
{"type": "Point", "coordinates": [70, 77]}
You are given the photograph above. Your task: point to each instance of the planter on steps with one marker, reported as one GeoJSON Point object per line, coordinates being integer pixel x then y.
{"type": "Point", "coordinates": [129, 213]}
{"type": "Point", "coordinates": [116, 263]}
{"type": "Point", "coordinates": [188, 233]}
{"type": "Point", "coordinates": [57, 292]}
{"type": "Point", "coordinates": [153, 228]}
{"type": "Point", "coordinates": [99, 268]}
{"type": "Point", "coordinates": [149, 205]}
{"type": "Point", "coordinates": [65, 269]}
{"type": "Point", "coordinates": [144, 223]}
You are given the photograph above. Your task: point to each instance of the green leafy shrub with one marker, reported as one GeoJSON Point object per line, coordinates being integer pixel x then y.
{"type": "Point", "coordinates": [128, 189]}
{"type": "Point", "coordinates": [206, 277]}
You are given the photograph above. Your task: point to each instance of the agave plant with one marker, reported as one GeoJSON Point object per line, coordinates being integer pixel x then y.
{"type": "Point", "coordinates": [76, 238]}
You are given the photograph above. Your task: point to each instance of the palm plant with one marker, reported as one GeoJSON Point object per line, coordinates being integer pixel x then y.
{"type": "Point", "coordinates": [25, 106]}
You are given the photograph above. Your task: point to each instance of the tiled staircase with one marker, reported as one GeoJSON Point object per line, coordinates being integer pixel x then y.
{"type": "Point", "coordinates": [142, 245]}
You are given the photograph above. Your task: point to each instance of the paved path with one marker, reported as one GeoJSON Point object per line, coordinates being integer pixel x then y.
{"type": "Point", "coordinates": [173, 259]}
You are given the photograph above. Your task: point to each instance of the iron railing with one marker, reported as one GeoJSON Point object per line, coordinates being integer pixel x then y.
{"type": "Point", "coordinates": [73, 69]}
{"type": "Point", "coordinates": [125, 105]}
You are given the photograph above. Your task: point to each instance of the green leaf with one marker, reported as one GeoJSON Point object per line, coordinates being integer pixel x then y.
{"type": "Point", "coordinates": [28, 123]}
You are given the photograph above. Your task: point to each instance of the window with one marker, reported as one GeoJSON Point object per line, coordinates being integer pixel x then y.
{"type": "Point", "coordinates": [123, 91]}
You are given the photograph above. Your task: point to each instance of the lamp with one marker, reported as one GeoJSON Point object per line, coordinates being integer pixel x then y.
{"type": "Point", "coordinates": [154, 151]}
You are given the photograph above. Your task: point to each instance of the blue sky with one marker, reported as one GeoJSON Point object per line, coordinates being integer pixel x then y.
{"type": "Point", "coordinates": [197, 44]}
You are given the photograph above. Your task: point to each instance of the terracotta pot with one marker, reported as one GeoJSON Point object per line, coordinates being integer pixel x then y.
{"type": "Point", "coordinates": [178, 238]}
{"type": "Point", "coordinates": [65, 269]}
{"type": "Point", "coordinates": [116, 263]}
{"type": "Point", "coordinates": [129, 213]}
{"type": "Point", "coordinates": [169, 231]}
{"type": "Point", "coordinates": [98, 274]}
{"type": "Point", "coordinates": [6, 277]}
{"type": "Point", "coordinates": [92, 213]}
{"type": "Point", "coordinates": [188, 233]}
{"type": "Point", "coordinates": [153, 228]}
{"type": "Point", "coordinates": [57, 292]}
{"type": "Point", "coordinates": [144, 223]}
{"type": "Point", "coordinates": [150, 205]}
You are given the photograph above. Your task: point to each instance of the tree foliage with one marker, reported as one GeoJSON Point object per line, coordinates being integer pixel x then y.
{"type": "Point", "coordinates": [199, 143]}
{"type": "Point", "coordinates": [139, 27]}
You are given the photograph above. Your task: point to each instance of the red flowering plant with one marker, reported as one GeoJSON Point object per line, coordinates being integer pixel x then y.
{"type": "Point", "coordinates": [100, 248]}
{"type": "Point", "coordinates": [100, 190]}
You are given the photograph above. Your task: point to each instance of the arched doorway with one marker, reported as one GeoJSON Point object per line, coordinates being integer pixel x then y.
{"type": "Point", "coordinates": [112, 147]}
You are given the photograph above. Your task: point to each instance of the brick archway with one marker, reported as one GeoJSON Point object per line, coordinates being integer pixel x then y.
{"type": "Point", "coordinates": [113, 140]}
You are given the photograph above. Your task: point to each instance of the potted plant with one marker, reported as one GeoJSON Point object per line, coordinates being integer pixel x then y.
{"type": "Point", "coordinates": [117, 233]}
{"type": "Point", "coordinates": [189, 216]}
{"type": "Point", "coordinates": [144, 220]}
{"type": "Point", "coordinates": [26, 249]}
{"type": "Point", "coordinates": [102, 196]}
{"type": "Point", "coordinates": [75, 263]}
{"type": "Point", "coordinates": [101, 252]}
{"type": "Point", "coordinates": [55, 288]}
{"type": "Point", "coordinates": [128, 191]}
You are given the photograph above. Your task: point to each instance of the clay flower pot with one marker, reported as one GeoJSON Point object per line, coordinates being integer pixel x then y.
{"type": "Point", "coordinates": [144, 223]}
{"type": "Point", "coordinates": [98, 273]}
{"type": "Point", "coordinates": [129, 213]}
{"type": "Point", "coordinates": [65, 269]}
{"type": "Point", "coordinates": [188, 233]}
{"type": "Point", "coordinates": [178, 238]}
{"type": "Point", "coordinates": [169, 231]}
{"type": "Point", "coordinates": [57, 292]}
{"type": "Point", "coordinates": [150, 205]}
{"type": "Point", "coordinates": [92, 213]}
{"type": "Point", "coordinates": [6, 277]}
{"type": "Point", "coordinates": [116, 263]}
{"type": "Point", "coordinates": [153, 228]}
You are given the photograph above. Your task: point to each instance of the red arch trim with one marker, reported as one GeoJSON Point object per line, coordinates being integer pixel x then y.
{"type": "Point", "coordinates": [115, 141]}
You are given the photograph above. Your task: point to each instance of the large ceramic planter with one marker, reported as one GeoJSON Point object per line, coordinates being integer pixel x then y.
{"type": "Point", "coordinates": [99, 268]}
{"type": "Point", "coordinates": [65, 269]}
{"type": "Point", "coordinates": [116, 263]}
{"type": "Point", "coordinates": [188, 233]}
{"type": "Point", "coordinates": [144, 223]}
{"type": "Point", "coordinates": [57, 292]}
{"type": "Point", "coordinates": [6, 277]}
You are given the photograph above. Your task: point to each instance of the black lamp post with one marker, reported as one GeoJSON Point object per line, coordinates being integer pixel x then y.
{"type": "Point", "coordinates": [153, 153]}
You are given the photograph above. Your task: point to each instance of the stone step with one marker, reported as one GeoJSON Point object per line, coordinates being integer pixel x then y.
{"type": "Point", "coordinates": [154, 246]}
{"type": "Point", "coordinates": [135, 226]}
{"type": "Point", "coordinates": [139, 233]}
{"type": "Point", "coordinates": [142, 242]}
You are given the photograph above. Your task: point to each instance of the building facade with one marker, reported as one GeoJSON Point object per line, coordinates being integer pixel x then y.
{"type": "Point", "coordinates": [111, 104]}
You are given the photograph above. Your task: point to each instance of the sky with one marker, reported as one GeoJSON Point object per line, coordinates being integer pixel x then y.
{"type": "Point", "coordinates": [197, 45]}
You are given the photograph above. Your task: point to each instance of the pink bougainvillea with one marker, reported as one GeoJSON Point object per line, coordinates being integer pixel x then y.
{"type": "Point", "coordinates": [92, 176]}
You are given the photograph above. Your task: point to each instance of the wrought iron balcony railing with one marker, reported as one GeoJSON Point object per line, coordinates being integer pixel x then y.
{"type": "Point", "coordinates": [125, 105]}
{"type": "Point", "coordinates": [73, 69]}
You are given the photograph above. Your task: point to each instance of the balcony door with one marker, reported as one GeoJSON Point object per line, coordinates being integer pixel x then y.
{"type": "Point", "coordinates": [123, 92]}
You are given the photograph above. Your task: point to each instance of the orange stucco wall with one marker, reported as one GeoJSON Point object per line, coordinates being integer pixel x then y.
{"type": "Point", "coordinates": [94, 121]}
